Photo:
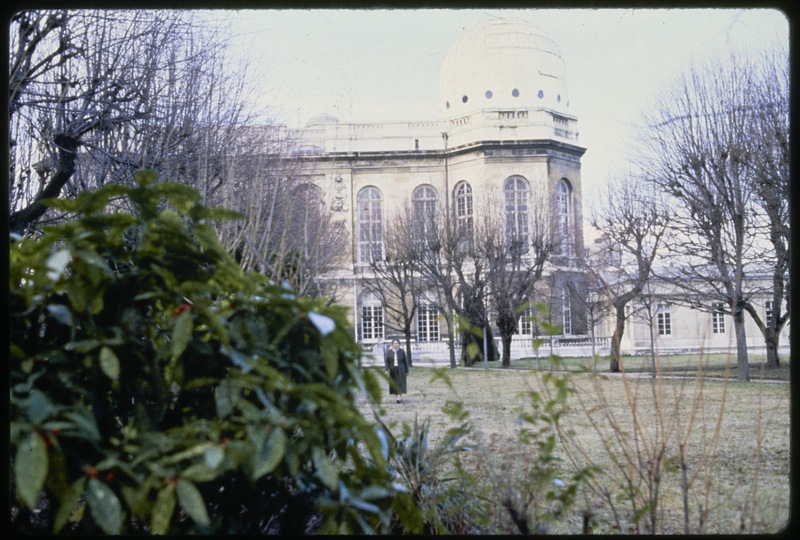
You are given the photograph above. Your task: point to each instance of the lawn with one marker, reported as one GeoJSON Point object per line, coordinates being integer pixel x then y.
{"type": "Point", "coordinates": [713, 365]}
{"type": "Point", "coordinates": [734, 438]}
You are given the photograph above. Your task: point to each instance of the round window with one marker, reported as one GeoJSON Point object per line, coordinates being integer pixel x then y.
{"type": "Point", "coordinates": [540, 94]}
{"type": "Point", "coordinates": [515, 92]}
{"type": "Point", "coordinates": [464, 99]}
{"type": "Point", "coordinates": [488, 94]}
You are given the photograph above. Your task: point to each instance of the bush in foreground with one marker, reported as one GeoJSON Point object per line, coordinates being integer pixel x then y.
{"type": "Point", "coordinates": [157, 388]}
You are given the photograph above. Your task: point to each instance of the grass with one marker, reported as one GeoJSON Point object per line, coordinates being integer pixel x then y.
{"type": "Point", "coordinates": [686, 365]}
{"type": "Point", "coordinates": [732, 438]}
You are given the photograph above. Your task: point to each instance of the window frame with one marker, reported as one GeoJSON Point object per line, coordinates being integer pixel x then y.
{"type": "Point", "coordinates": [516, 212]}
{"type": "Point", "coordinates": [664, 319]}
{"type": "Point", "coordinates": [369, 218]}
{"type": "Point", "coordinates": [428, 323]}
{"type": "Point", "coordinates": [372, 326]}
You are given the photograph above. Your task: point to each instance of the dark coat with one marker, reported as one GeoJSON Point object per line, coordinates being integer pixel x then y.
{"type": "Point", "coordinates": [397, 371]}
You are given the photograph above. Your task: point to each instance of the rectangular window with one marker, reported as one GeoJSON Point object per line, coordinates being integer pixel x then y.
{"type": "Point", "coordinates": [768, 313]}
{"type": "Point", "coordinates": [427, 323]}
{"type": "Point", "coordinates": [664, 320]}
{"type": "Point", "coordinates": [566, 302]}
{"type": "Point", "coordinates": [371, 322]}
{"type": "Point", "coordinates": [718, 320]}
{"type": "Point", "coordinates": [525, 326]}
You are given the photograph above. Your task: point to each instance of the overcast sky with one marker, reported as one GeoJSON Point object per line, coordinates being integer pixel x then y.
{"type": "Point", "coordinates": [383, 65]}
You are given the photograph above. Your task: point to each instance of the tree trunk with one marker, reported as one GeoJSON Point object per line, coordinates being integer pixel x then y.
{"type": "Point", "coordinates": [616, 339]}
{"type": "Point", "coordinates": [741, 345]}
{"type": "Point", "coordinates": [772, 340]}
{"type": "Point", "coordinates": [67, 155]}
{"type": "Point", "coordinates": [506, 339]}
{"type": "Point", "coordinates": [408, 349]}
{"type": "Point", "coordinates": [451, 341]}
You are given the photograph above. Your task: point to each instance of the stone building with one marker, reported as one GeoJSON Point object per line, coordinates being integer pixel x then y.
{"type": "Point", "coordinates": [505, 130]}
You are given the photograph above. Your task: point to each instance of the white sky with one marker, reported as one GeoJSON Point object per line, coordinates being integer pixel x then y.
{"type": "Point", "coordinates": [383, 65]}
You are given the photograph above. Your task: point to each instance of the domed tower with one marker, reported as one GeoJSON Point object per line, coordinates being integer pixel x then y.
{"type": "Point", "coordinates": [504, 63]}
{"type": "Point", "coordinates": [505, 80]}
{"type": "Point", "coordinates": [509, 134]}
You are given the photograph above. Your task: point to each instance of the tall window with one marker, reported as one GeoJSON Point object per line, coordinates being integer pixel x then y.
{"type": "Point", "coordinates": [464, 213]}
{"type": "Point", "coordinates": [768, 312]}
{"type": "Point", "coordinates": [718, 320]}
{"type": "Point", "coordinates": [516, 191]}
{"type": "Point", "coordinates": [370, 225]}
{"type": "Point", "coordinates": [664, 319]}
{"type": "Point", "coordinates": [566, 311]}
{"type": "Point", "coordinates": [427, 323]}
{"type": "Point", "coordinates": [564, 209]}
{"type": "Point", "coordinates": [371, 318]}
{"type": "Point", "coordinates": [423, 208]}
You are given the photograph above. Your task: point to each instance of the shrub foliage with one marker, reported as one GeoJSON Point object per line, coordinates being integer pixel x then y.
{"type": "Point", "coordinates": [155, 387]}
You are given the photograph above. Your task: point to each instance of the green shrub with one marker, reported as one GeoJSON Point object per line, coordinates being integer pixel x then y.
{"type": "Point", "coordinates": [155, 387]}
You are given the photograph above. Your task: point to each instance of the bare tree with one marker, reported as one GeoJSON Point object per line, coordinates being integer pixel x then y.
{"type": "Point", "coordinates": [595, 304]}
{"type": "Point", "coordinates": [634, 224]}
{"type": "Point", "coordinates": [768, 167]}
{"type": "Point", "coordinates": [448, 261]}
{"type": "Point", "coordinates": [394, 280]}
{"type": "Point", "coordinates": [697, 150]}
{"type": "Point", "coordinates": [95, 95]}
{"type": "Point", "coordinates": [289, 233]}
{"type": "Point", "coordinates": [515, 262]}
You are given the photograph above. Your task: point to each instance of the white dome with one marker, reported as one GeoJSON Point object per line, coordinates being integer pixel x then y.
{"type": "Point", "coordinates": [503, 63]}
{"type": "Point", "coordinates": [322, 118]}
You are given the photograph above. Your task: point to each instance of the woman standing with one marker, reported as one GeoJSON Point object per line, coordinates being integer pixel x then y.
{"type": "Point", "coordinates": [397, 366]}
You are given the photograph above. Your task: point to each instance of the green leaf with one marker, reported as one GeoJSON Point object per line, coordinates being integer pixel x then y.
{"type": "Point", "coordinates": [145, 177]}
{"type": "Point", "coordinates": [60, 313]}
{"type": "Point", "coordinates": [109, 363]}
{"type": "Point", "coordinates": [181, 333]}
{"type": "Point", "coordinates": [326, 470]}
{"type": "Point", "coordinates": [57, 263]}
{"type": "Point", "coordinates": [104, 506]}
{"type": "Point", "coordinates": [192, 502]}
{"type": "Point", "coordinates": [271, 453]}
{"type": "Point", "coordinates": [330, 357]}
{"type": "Point", "coordinates": [224, 395]}
{"type": "Point", "coordinates": [200, 472]}
{"type": "Point", "coordinates": [68, 504]}
{"type": "Point", "coordinates": [84, 423]}
{"type": "Point", "coordinates": [30, 469]}
{"type": "Point", "coordinates": [56, 480]}
{"type": "Point", "coordinates": [214, 456]}
{"type": "Point", "coordinates": [163, 509]}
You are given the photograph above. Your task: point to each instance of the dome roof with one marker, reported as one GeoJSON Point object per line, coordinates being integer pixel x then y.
{"type": "Point", "coordinates": [322, 118]}
{"type": "Point", "coordinates": [503, 63]}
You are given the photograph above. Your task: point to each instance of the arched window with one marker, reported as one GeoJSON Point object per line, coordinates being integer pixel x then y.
{"type": "Point", "coordinates": [516, 190]}
{"type": "Point", "coordinates": [423, 208]}
{"type": "Point", "coordinates": [371, 323]}
{"type": "Point", "coordinates": [564, 209]}
{"type": "Point", "coordinates": [464, 213]}
{"type": "Point", "coordinates": [370, 224]}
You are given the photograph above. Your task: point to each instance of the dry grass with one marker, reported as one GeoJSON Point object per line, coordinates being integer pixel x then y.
{"type": "Point", "coordinates": [735, 438]}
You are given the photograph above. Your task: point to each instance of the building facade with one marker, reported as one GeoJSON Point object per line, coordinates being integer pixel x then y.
{"type": "Point", "coordinates": [505, 131]}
